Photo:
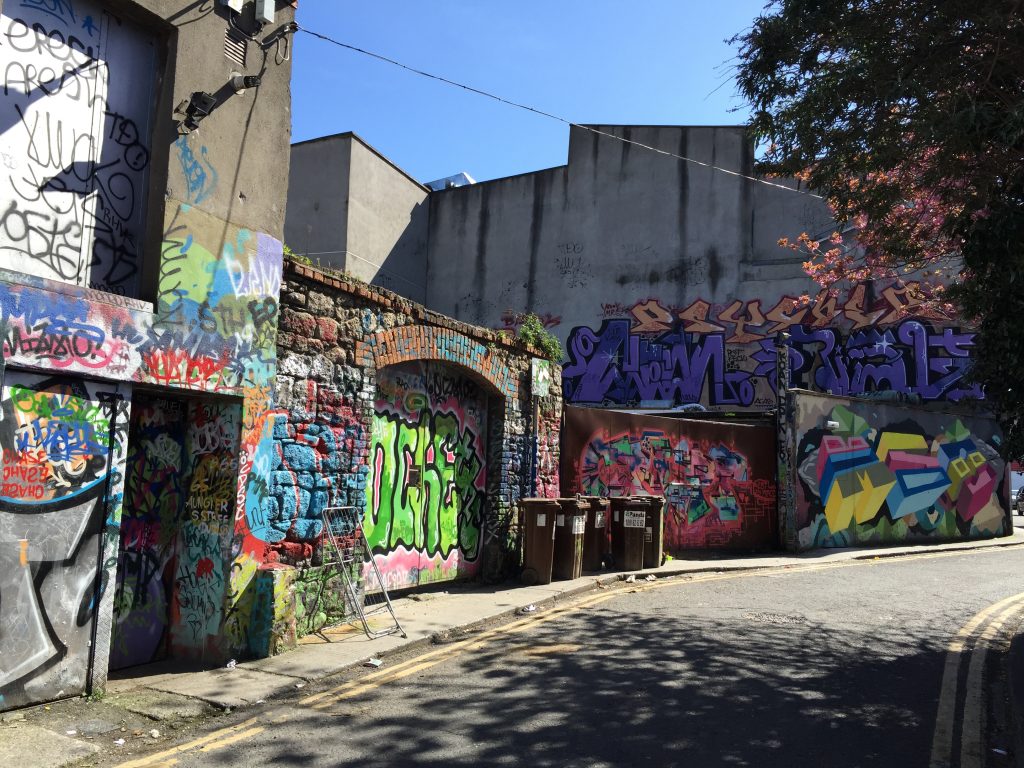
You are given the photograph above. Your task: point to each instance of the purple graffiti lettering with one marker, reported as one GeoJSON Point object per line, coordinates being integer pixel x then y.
{"type": "Point", "coordinates": [911, 359]}
{"type": "Point", "coordinates": [615, 365]}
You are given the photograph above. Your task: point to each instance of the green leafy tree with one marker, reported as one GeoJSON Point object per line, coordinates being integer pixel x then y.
{"type": "Point", "coordinates": [908, 116]}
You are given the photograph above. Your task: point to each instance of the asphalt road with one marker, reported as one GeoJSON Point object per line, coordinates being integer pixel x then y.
{"type": "Point", "coordinates": [825, 666]}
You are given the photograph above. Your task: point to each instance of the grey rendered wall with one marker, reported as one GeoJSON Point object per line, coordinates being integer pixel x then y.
{"type": "Point", "coordinates": [245, 135]}
{"type": "Point", "coordinates": [351, 209]}
{"type": "Point", "coordinates": [233, 166]}
{"type": "Point", "coordinates": [316, 222]}
{"type": "Point", "coordinates": [387, 225]}
{"type": "Point", "coordinates": [617, 225]}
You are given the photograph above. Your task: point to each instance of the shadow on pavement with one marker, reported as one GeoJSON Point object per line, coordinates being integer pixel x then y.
{"type": "Point", "coordinates": [646, 688]}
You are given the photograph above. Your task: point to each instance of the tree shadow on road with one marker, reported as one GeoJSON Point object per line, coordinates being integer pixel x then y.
{"type": "Point", "coordinates": [648, 688]}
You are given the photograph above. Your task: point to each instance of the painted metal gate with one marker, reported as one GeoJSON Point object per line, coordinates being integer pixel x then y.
{"type": "Point", "coordinates": [61, 464]}
{"type": "Point", "coordinates": [180, 490]}
{"type": "Point", "coordinates": [718, 477]}
{"type": "Point", "coordinates": [426, 492]}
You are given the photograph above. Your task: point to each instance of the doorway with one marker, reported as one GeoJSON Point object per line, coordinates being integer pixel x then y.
{"type": "Point", "coordinates": [178, 515]}
{"type": "Point", "coordinates": [427, 490]}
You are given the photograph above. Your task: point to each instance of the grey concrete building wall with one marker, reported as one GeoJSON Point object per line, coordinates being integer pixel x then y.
{"type": "Point", "coordinates": [316, 220]}
{"type": "Point", "coordinates": [232, 165]}
{"type": "Point", "coordinates": [617, 225]}
{"type": "Point", "coordinates": [666, 283]}
{"type": "Point", "coordinates": [352, 209]}
{"type": "Point", "coordinates": [239, 146]}
{"type": "Point", "coordinates": [387, 224]}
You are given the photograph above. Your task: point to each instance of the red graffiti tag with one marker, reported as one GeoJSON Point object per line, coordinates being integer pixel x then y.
{"type": "Point", "coordinates": [204, 568]}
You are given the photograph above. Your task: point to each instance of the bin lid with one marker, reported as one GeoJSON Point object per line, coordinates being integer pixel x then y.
{"type": "Point", "coordinates": [539, 503]}
{"type": "Point", "coordinates": [573, 505]}
{"type": "Point", "coordinates": [650, 499]}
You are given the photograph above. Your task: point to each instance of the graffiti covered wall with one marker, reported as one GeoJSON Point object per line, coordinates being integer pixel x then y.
{"type": "Point", "coordinates": [718, 478]}
{"type": "Point", "coordinates": [418, 420]}
{"type": "Point", "coordinates": [74, 133]}
{"type": "Point", "coordinates": [103, 287]}
{"type": "Point", "coordinates": [427, 487]}
{"type": "Point", "coordinates": [872, 473]}
{"type": "Point", "coordinates": [63, 443]}
{"type": "Point", "coordinates": [214, 331]}
{"type": "Point", "coordinates": [723, 355]}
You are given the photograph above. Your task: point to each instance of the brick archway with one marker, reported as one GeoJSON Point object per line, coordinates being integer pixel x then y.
{"type": "Point", "coordinates": [426, 342]}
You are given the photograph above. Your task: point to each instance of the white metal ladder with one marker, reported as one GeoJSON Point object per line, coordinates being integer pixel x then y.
{"type": "Point", "coordinates": [345, 547]}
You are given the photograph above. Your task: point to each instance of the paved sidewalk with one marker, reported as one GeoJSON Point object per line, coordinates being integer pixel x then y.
{"type": "Point", "coordinates": [136, 700]}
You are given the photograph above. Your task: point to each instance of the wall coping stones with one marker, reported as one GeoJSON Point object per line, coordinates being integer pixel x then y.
{"type": "Point", "coordinates": [391, 300]}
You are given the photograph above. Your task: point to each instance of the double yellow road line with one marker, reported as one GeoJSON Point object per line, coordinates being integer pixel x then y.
{"type": "Point", "coordinates": [988, 628]}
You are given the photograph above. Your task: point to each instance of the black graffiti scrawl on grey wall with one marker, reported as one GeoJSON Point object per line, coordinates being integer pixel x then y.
{"type": "Point", "coordinates": [63, 446]}
{"type": "Point", "coordinates": [74, 142]}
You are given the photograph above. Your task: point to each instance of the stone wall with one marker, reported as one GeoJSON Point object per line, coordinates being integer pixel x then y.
{"type": "Point", "coordinates": [336, 336]}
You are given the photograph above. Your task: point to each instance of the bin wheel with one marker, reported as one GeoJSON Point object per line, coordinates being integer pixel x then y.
{"type": "Point", "coordinates": [529, 576]}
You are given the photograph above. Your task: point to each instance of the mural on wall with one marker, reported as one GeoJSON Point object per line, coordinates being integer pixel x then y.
{"type": "Point", "coordinates": [74, 128]}
{"type": "Point", "coordinates": [882, 474]}
{"type": "Point", "coordinates": [427, 488]}
{"type": "Point", "coordinates": [215, 330]}
{"type": "Point", "coordinates": [63, 447]}
{"type": "Point", "coordinates": [718, 479]}
{"type": "Point", "coordinates": [723, 356]}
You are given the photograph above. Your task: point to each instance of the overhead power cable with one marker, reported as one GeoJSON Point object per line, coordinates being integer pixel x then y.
{"type": "Point", "coordinates": [550, 116]}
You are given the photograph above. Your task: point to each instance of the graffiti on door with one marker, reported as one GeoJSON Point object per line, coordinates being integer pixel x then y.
{"type": "Point", "coordinates": [179, 514]}
{"type": "Point", "coordinates": [207, 522]}
{"type": "Point", "coordinates": [62, 481]}
{"type": "Point", "coordinates": [154, 495]}
{"type": "Point", "coordinates": [425, 502]}
{"type": "Point", "coordinates": [716, 478]}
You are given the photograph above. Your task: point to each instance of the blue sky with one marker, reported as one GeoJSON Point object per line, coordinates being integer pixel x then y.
{"type": "Point", "coordinates": [591, 61]}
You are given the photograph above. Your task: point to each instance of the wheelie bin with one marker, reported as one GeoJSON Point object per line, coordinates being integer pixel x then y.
{"type": "Point", "coordinates": [570, 524]}
{"type": "Point", "coordinates": [595, 538]}
{"type": "Point", "coordinates": [538, 517]}
{"type": "Point", "coordinates": [629, 517]}
{"type": "Point", "coordinates": [654, 531]}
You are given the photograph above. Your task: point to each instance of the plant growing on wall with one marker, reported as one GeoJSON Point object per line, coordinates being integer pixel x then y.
{"type": "Point", "coordinates": [300, 258]}
{"type": "Point", "coordinates": [908, 116]}
{"type": "Point", "coordinates": [533, 332]}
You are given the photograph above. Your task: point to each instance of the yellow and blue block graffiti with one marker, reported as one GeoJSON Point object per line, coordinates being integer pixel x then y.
{"type": "Point", "coordinates": [902, 472]}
